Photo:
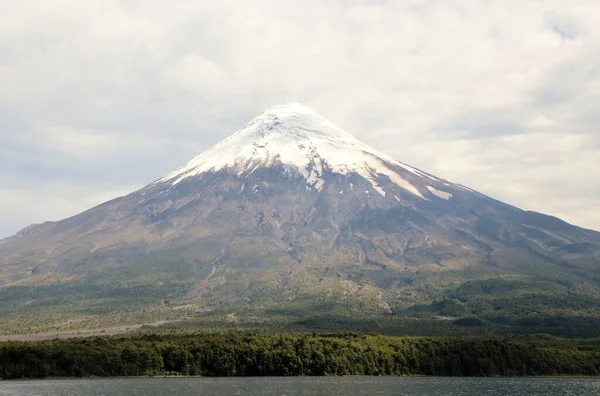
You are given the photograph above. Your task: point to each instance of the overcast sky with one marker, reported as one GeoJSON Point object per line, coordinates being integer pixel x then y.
{"type": "Point", "coordinates": [100, 97]}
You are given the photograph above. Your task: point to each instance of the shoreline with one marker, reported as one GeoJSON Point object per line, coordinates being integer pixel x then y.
{"type": "Point", "coordinates": [586, 377]}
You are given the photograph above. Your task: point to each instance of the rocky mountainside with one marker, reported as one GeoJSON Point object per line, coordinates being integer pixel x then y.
{"type": "Point", "coordinates": [293, 216]}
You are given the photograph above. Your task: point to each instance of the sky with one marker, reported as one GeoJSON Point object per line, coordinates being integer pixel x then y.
{"type": "Point", "coordinates": [100, 97]}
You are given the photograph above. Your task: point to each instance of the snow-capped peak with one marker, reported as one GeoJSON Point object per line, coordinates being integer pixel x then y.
{"type": "Point", "coordinates": [302, 141]}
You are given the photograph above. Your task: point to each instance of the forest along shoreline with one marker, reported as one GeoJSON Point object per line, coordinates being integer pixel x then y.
{"type": "Point", "coordinates": [239, 354]}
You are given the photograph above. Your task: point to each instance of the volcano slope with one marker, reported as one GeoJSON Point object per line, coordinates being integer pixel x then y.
{"type": "Point", "coordinates": [292, 219]}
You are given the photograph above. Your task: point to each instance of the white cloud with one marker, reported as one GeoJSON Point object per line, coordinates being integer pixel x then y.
{"type": "Point", "coordinates": [51, 201]}
{"type": "Point", "coordinates": [500, 96]}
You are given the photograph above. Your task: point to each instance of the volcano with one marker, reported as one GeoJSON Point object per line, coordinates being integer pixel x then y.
{"type": "Point", "coordinates": [291, 215]}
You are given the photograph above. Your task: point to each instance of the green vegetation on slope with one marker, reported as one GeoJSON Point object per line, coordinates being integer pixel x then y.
{"type": "Point", "coordinates": [237, 354]}
{"type": "Point", "coordinates": [321, 298]}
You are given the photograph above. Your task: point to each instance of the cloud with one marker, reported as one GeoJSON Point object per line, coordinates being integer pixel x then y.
{"type": "Point", "coordinates": [105, 95]}
{"type": "Point", "coordinates": [51, 201]}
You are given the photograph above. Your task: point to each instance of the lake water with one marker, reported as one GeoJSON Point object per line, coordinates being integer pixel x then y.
{"type": "Point", "coordinates": [305, 386]}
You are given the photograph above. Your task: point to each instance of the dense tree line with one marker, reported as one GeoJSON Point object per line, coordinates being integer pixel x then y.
{"type": "Point", "coordinates": [304, 354]}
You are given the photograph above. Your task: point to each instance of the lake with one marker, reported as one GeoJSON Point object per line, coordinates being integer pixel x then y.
{"type": "Point", "coordinates": [305, 386]}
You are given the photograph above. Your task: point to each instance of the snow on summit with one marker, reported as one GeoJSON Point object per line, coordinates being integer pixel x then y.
{"type": "Point", "coordinates": [302, 141]}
